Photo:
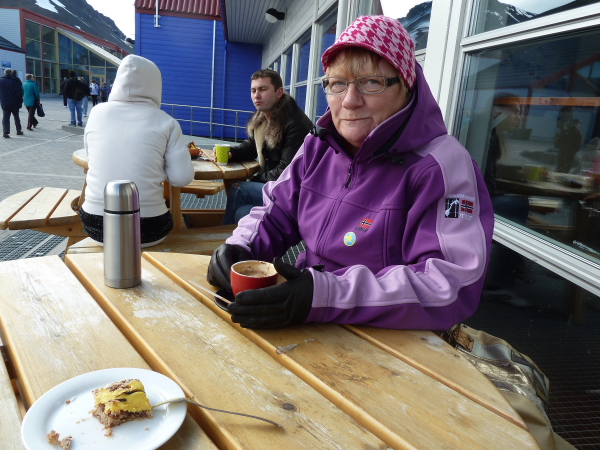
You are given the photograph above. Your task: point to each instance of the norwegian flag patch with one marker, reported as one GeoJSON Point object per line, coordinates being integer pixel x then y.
{"type": "Point", "coordinates": [364, 224]}
{"type": "Point", "coordinates": [466, 206]}
{"type": "Point", "coordinates": [459, 206]}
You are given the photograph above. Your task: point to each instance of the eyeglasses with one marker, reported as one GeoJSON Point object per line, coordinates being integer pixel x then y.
{"type": "Point", "coordinates": [370, 84]}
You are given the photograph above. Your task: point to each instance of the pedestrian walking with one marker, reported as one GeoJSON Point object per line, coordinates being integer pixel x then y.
{"type": "Point", "coordinates": [31, 98]}
{"type": "Point", "coordinates": [15, 75]}
{"type": "Point", "coordinates": [11, 100]}
{"type": "Point", "coordinates": [62, 91]}
{"type": "Point", "coordinates": [85, 101]}
{"type": "Point", "coordinates": [94, 91]}
{"type": "Point", "coordinates": [75, 91]}
{"type": "Point", "coordinates": [104, 93]}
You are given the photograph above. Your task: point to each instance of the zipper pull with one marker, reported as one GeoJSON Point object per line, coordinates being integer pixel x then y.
{"type": "Point", "coordinates": [349, 176]}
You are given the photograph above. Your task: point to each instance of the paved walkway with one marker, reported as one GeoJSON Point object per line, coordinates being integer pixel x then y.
{"type": "Point", "coordinates": [41, 157]}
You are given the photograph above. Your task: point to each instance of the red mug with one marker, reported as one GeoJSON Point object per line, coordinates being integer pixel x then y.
{"type": "Point", "coordinates": [252, 275]}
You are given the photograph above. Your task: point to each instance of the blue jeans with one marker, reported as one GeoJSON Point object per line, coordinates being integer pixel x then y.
{"type": "Point", "coordinates": [84, 105]}
{"type": "Point", "coordinates": [242, 197]}
{"type": "Point", "coordinates": [73, 105]}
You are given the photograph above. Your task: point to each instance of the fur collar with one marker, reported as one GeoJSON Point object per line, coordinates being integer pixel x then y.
{"type": "Point", "coordinates": [276, 126]}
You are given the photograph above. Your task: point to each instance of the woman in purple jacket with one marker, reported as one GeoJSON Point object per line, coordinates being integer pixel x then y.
{"type": "Point", "coordinates": [395, 214]}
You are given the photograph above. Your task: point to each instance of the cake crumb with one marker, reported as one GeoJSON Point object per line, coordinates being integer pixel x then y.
{"type": "Point", "coordinates": [66, 443]}
{"type": "Point", "coordinates": [68, 401]}
{"type": "Point", "coordinates": [53, 438]}
{"type": "Point", "coordinates": [108, 431]}
{"type": "Point", "coordinates": [146, 428]}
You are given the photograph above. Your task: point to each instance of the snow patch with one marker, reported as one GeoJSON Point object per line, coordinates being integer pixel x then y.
{"type": "Point", "coordinates": [46, 5]}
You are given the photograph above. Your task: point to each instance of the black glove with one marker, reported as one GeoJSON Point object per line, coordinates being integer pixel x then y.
{"type": "Point", "coordinates": [219, 268]}
{"type": "Point", "coordinates": [276, 306]}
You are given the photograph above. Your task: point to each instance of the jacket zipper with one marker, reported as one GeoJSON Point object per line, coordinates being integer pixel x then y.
{"type": "Point", "coordinates": [349, 175]}
{"type": "Point", "coordinates": [334, 209]}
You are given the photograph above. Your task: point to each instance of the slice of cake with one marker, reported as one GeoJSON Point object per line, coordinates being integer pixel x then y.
{"type": "Point", "coordinates": [120, 402]}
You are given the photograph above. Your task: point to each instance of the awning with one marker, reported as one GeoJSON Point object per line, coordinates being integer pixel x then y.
{"type": "Point", "coordinates": [92, 47]}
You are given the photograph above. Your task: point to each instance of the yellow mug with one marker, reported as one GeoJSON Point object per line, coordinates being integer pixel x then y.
{"type": "Point", "coordinates": [222, 153]}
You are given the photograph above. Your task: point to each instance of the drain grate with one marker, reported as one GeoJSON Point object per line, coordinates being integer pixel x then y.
{"type": "Point", "coordinates": [28, 244]}
{"type": "Point", "coordinates": [217, 201]}
{"type": "Point", "coordinates": [47, 246]}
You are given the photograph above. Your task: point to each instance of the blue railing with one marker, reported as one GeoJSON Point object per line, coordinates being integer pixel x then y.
{"type": "Point", "coordinates": [211, 124]}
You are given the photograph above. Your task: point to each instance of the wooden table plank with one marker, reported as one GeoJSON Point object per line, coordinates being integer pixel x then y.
{"type": "Point", "coordinates": [219, 367]}
{"type": "Point", "coordinates": [206, 170]}
{"type": "Point", "coordinates": [10, 424]}
{"type": "Point", "coordinates": [387, 396]}
{"type": "Point", "coordinates": [199, 241]}
{"type": "Point", "coordinates": [35, 214]}
{"type": "Point", "coordinates": [431, 355]}
{"type": "Point", "coordinates": [54, 330]}
{"type": "Point", "coordinates": [64, 213]}
{"type": "Point", "coordinates": [11, 205]}
{"type": "Point", "coordinates": [234, 170]}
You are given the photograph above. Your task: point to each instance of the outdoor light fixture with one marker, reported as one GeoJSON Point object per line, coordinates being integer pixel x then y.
{"type": "Point", "coordinates": [272, 15]}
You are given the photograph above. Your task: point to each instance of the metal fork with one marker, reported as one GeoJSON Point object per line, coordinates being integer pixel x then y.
{"type": "Point", "coordinates": [185, 399]}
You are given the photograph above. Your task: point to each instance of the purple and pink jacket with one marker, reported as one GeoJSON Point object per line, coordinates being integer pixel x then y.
{"type": "Point", "coordinates": [404, 228]}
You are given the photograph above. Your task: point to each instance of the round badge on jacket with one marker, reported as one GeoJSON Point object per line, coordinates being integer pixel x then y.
{"type": "Point", "coordinates": [350, 239]}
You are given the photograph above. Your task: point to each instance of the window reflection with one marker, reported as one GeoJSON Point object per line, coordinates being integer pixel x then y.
{"type": "Point", "coordinates": [301, 96]}
{"type": "Point", "coordinates": [288, 67]}
{"type": "Point", "coordinates": [303, 59]}
{"type": "Point", "coordinates": [416, 22]}
{"type": "Point", "coordinates": [329, 28]}
{"type": "Point", "coordinates": [321, 102]}
{"type": "Point", "coordinates": [492, 14]}
{"type": "Point", "coordinates": [530, 118]}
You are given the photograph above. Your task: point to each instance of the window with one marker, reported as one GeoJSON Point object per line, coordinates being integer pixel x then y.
{"type": "Point", "coordinates": [525, 101]}
{"type": "Point", "coordinates": [328, 27]}
{"type": "Point", "coordinates": [34, 48]}
{"type": "Point", "coordinates": [303, 59]}
{"type": "Point", "coordinates": [414, 15]}
{"type": "Point", "coordinates": [32, 31]}
{"type": "Point", "coordinates": [80, 54]}
{"type": "Point", "coordinates": [288, 67]}
{"type": "Point", "coordinates": [66, 49]}
{"type": "Point", "coordinates": [301, 96]}
{"type": "Point", "coordinates": [49, 35]}
{"type": "Point", "coordinates": [96, 60]}
{"type": "Point", "coordinates": [492, 14]}
{"type": "Point", "coordinates": [531, 119]}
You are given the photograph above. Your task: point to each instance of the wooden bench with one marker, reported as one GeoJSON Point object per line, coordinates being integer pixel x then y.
{"type": "Point", "coordinates": [45, 209]}
{"type": "Point", "coordinates": [64, 334]}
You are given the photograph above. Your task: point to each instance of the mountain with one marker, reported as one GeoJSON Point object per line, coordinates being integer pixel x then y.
{"type": "Point", "coordinates": [499, 15]}
{"type": "Point", "coordinates": [78, 14]}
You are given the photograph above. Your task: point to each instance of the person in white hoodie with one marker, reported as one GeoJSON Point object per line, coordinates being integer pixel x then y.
{"type": "Point", "coordinates": [130, 138]}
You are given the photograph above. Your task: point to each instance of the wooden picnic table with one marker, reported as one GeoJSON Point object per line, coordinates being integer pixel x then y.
{"type": "Point", "coordinates": [203, 170]}
{"type": "Point", "coordinates": [329, 386]}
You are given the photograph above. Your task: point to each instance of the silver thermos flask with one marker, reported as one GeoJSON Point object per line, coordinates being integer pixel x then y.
{"type": "Point", "coordinates": [122, 238]}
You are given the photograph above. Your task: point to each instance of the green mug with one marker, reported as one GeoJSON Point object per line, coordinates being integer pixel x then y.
{"type": "Point", "coordinates": [222, 153]}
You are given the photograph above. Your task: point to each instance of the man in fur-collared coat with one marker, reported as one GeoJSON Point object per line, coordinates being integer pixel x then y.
{"type": "Point", "coordinates": [275, 133]}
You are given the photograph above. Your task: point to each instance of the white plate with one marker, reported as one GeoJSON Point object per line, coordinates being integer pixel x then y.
{"type": "Point", "coordinates": [51, 412]}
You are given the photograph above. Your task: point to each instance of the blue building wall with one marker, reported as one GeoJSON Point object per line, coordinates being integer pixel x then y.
{"type": "Point", "coordinates": [183, 50]}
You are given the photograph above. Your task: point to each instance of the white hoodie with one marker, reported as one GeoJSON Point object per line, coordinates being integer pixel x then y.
{"type": "Point", "coordinates": [130, 138]}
